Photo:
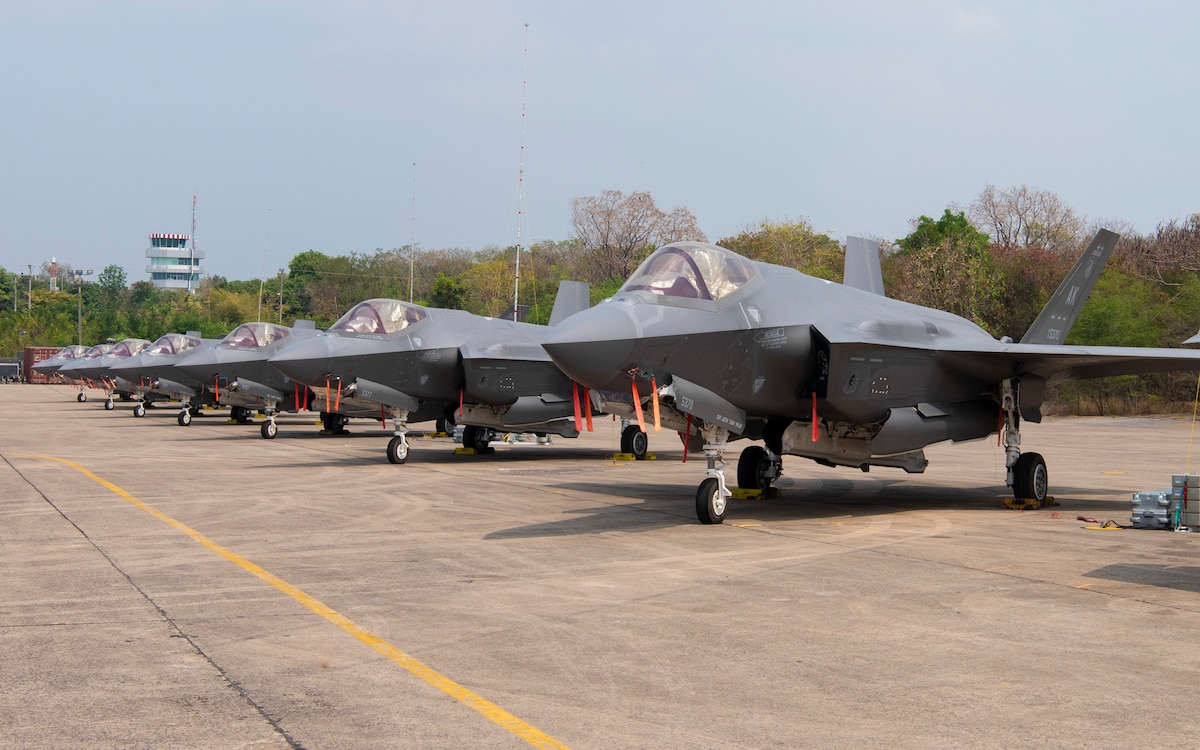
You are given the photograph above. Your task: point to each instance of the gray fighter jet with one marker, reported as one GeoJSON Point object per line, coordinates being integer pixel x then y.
{"type": "Point", "coordinates": [97, 371]}
{"type": "Point", "coordinates": [155, 375]}
{"type": "Point", "coordinates": [840, 374]}
{"type": "Point", "coordinates": [423, 363]}
{"type": "Point", "coordinates": [237, 370]}
{"type": "Point", "coordinates": [70, 369]}
{"type": "Point", "coordinates": [49, 367]}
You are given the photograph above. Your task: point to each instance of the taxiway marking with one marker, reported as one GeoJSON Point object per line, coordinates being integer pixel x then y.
{"type": "Point", "coordinates": [489, 710]}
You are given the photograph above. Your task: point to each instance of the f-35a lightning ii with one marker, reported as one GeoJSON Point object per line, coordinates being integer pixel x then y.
{"type": "Point", "coordinates": [733, 348]}
{"type": "Point", "coordinates": [421, 363]}
{"type": "Point", "coordinates": [237, 371]}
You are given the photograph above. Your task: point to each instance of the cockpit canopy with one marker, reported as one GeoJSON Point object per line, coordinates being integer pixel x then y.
{"type": "Point", "coordinates": [691, 270]}
{"type": "Point", "coordinates": [255, 336]}
{"type": "Point", "coordinates": [72, 352]}
{"type": "Point", "coordinates": [129, 347]}
{"type": "Point", "coordinates": [379, 316]}
{"type": "Point", "coordinates": [172, 344]}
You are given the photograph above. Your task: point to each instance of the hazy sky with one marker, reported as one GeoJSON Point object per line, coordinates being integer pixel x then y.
{"type": "Point", "coordinates": [298, 123]}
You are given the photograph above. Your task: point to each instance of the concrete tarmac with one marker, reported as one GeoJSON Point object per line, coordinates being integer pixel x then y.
{"type": "Point", "coordinates": [225, 591]}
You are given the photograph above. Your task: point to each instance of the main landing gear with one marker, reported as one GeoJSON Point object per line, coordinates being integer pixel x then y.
{"type": "Point", "coordinates": [1027, 475]}
{"type": "Point", "coordinates": [478, 438]}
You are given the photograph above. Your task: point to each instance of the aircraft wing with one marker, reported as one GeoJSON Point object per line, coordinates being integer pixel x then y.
{"type": "Point", "coordinates": [1057, 363]}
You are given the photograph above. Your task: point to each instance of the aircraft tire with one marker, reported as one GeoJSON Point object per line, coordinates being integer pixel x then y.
{"type": "Point", "coordinates": [752, 467]}
{"type": "Point", "coordinates": [109, 405]}
{"type": "Point", "coordinates": [269, 430]}
{"type": "Point", "coordinates": [634, 441]}
{"type": "Point", "coordinates": [185, 418]}
{"type": "Point", "coordinates": [476, 437]}
{"type": "Point", "coordinates": [1030, 478]}
{"type": "Point", "coordinates": [710, 506]}
{"type": "Point", "coordinates": [81, 397]}
{"type": "Point", "coordinates": [139, 410]}
{"type": "Point", "coordinates": [397, 450]}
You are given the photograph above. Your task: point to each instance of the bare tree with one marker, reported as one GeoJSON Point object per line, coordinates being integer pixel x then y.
{"type": "Point", "coordinates": [1026, 217]}
{"type": "Point", "coordinates": [616, 230]}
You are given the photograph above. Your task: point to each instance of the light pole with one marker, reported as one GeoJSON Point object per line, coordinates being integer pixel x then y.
{"type": "Point", "coordinates": [79, 274]}
{"type": "Point", "coordinates": [281, 296]}
{"type": "Point", "coordinates": [29, 275]}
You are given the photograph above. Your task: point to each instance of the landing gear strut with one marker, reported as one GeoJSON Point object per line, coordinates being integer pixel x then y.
{"type": "Point", "coordinates": [1027, 475]}
{"type": "Point", "coordinates": [269, 429]}
{"type": "Point", "coordinates": [397, 448]}
{"type": "Point", "coordinates": [712, 497]}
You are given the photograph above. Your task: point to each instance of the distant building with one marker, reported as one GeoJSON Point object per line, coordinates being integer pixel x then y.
{"type": "Point", "coordinates": [173, 263]}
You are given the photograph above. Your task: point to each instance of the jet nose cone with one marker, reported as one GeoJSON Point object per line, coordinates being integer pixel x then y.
{"type": "Point", "coordinates": [307, 362]}
{"type": "Point", "coordinates": [595, 347]}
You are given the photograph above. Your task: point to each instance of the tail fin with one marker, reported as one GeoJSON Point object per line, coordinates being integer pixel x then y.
{"type": "Point", "coordinates": [1055, 321]}
{"type": "Point", "coordinates": [862, 269]}
{"type": "Point", "coordinates": [573, 297]}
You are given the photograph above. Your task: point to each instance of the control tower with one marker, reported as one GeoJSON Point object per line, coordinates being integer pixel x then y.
{"type": "Point", "coordinates": [174, 263]}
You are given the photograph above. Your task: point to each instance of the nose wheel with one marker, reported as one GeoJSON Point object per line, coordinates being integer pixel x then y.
{"type": "Point", "coordinates": [139, 410]}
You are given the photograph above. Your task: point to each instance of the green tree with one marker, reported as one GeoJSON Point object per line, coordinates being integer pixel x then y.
{"type": "Point", "coordinates": [947, 264]}
{"type": "Point", "coordinates": [449, 292]}
{"type": "Point", "coordinates": [791, 243]}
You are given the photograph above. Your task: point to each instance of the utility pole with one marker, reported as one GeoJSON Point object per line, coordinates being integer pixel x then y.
{"type": "Point", "coordinates": [30, 291]}
{"type": "Point", "coordinates": [79, 274]}
{"type": "Point", "coordinates": [521, 182]}
{"type": "Point", "coordinates": [281, 296]}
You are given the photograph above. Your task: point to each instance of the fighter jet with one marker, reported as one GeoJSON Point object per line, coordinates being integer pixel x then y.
{"type": "Point", "coordinates": [724, 347]}
{"type": "Point", "coordinates": [69, 370]}
{"type": "Point", "coordinates": [97, 370]}
{"type": "Point", "coordinates": [420, 363]}
{"type": "Point", "coordinates": [155, 375]}
{"type": "Point", "coordinates": [49, 367]}
{"type": "Point", "coordinates": [237, 370]}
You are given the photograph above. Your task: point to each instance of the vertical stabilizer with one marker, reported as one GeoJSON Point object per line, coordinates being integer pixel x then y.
{"type": "Point", "coordinates": [1055, 321]}
{"type": "Point", "coordinates": [862, 269]}
{"type": "Point", "coordinates": [573, 296]}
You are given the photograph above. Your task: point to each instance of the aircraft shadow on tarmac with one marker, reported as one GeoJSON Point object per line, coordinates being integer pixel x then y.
{"type": "Point", "coordinates": [663, 506]}
{"type": "Point", "coordinates": [1179, 577]}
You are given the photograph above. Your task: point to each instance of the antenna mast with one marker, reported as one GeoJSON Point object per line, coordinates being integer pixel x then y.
{"type": "Point", "coordinates": [412, 237]}
{"type": "Point", "coordinates": [521, 179]}
{"type": "Point", "coordinates": [192, 244]}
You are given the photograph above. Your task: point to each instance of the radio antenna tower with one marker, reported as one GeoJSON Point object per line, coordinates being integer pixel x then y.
{"type": "Point", "coordinates": [412, 237]}
{"type": "Point", "coordinates": [521, 180]}
{"type": "Point", "coordinates": [192, 244]}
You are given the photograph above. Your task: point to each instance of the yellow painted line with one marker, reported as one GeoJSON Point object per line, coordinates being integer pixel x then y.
{"type": "Point", "coordinates": [491, 711]}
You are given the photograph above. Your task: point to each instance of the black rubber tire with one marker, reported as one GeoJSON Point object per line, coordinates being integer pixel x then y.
{"type": "Point", "coordinates": [268, 430]}
{"type": "Point", "coordinates": [394, 448]}
{"type": "Point", "coordinates": [1031, 481]}
{"type": "Point", "coordinates": [109, 405]}
{"type": "Point", "coordinates": [634, 441]}
{"type": "Point", "coordinates": [475, 437]}
{"type": "Point", "coordinates": [752, 467]}
{"type": "Point", "coordinates": [81, 397]}
{"type": "Point", "coordinates": [710, 506]}
{"type": "Point", "coordinates": [139, 410]}
{"type": "Point", "coordinates": [185, 418]}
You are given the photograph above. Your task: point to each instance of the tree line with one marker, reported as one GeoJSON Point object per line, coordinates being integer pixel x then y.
{"type": "Point", "coordinates": [995, 261]}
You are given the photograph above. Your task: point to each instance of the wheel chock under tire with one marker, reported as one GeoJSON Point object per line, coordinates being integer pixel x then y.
{"type": "Point", "coordinates": [1028, 503]}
